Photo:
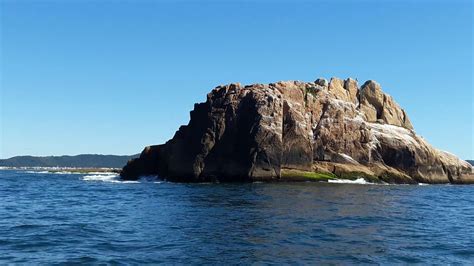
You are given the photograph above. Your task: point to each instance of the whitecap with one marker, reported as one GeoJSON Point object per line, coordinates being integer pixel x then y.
{"type": "Point", "coordinates": [359, 181]}
{"type": "Point", "coordinates": [101, 173]}
{"type": "Point", "coordinates": [37, 172]}
{"type": "Point", "coordinates": [115, 178]}
{"type": "Point", "coordinates": [101, 177]}
{"type": "Point", "coordinates": [125, 181]}
{"type": "Point", "coordinates": [65, 173]}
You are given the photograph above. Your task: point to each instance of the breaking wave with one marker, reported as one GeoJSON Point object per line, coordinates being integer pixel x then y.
{"type": "Point", "coordinates": [359, 181]}
{"type": "Point", "coordinates": [115, 178]}
{"type": "Point", "coordinates": [37, 172]}
{"type": "Point", "coordinates": [104, 177]}
{"type": "Point", "coordinates": [53, 172]}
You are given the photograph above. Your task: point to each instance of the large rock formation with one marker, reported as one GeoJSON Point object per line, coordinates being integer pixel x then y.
{"type": "Point", "coordinates": [298, 131]}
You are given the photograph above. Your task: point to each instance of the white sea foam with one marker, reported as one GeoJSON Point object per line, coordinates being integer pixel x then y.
{"type": "Point", "coordinates": [55, 172]}
{"type": "Point", "coordinates": [101, 177]}
{"type": "Point", "coordinates": [115, 178]}
{"type": "Point", "coordinates": [65, 173]}
{"type": "Point", "coordinates": [37, 172]}
{"type": "Point", "coordinates": [359, 181]}
{"type": "Point", "coordinates": [101, 173]}
{"type": "Point", "coordinates": [125, 181]}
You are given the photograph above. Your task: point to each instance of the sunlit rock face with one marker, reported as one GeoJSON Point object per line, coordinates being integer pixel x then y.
{"type": "Point", "coordinates": [256, 132]}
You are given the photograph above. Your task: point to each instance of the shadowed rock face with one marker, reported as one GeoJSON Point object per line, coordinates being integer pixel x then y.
{"type": "Point", "coordinates": [257, 132]}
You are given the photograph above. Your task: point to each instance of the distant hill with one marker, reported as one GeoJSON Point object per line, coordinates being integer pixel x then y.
{"type": "Point", "coordinates": [82, 160]}
{"type": "Point", "coordinates": [470, 161]}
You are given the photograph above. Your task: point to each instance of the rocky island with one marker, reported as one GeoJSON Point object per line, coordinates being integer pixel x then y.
{"type": "Point", "coordinates": [299, 131]}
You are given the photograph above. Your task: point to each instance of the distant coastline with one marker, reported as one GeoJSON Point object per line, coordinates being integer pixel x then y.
{"type": "Point", "coordinates": [74, 161]}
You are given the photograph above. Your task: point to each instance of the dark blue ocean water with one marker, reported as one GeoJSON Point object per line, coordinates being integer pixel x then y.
{"type": "Point", "coordinates": [69, 218]}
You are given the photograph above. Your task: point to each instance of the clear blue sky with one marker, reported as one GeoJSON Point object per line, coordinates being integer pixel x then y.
{"type": "Point", "coordinates": [111, 77]}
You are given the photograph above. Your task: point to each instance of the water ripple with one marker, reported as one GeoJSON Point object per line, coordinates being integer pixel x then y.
{"type": "Point", "coordinates": [97, 219]}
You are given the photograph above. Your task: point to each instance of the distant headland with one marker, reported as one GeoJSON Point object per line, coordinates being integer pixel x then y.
{"type": "Point", "coordinates": [77, 161]}
{"type": "Point", "coordinates": [294, 131]}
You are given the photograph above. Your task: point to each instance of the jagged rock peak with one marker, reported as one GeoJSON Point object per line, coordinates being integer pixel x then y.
{"type": "Point", "coordinates": [370, 100]}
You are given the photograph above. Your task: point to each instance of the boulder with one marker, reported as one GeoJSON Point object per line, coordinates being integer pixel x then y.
{"type": "Point", "coordinates": [353, 90]}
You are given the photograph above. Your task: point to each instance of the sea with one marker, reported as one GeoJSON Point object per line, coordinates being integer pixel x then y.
{"type": "Point", "coordinates": [94, 218]}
